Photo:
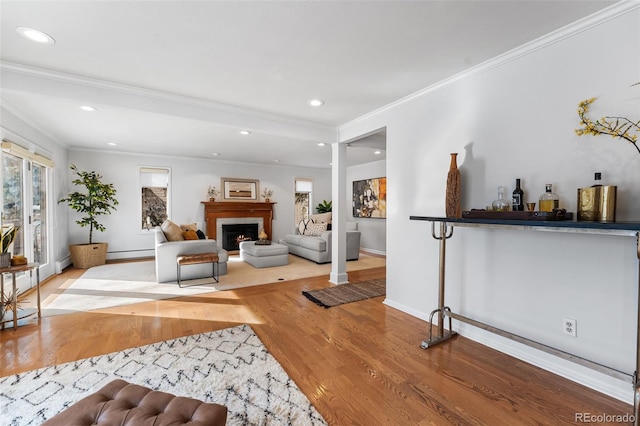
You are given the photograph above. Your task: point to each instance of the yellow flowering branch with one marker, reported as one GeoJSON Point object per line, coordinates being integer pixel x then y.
{"type": "Point", "coordinates": [616, 127]}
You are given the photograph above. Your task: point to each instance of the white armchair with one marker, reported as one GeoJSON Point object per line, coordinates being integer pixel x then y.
{"type": "Point", "coordinates": [168, 251]}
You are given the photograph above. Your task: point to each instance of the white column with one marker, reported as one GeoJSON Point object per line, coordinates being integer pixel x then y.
{"type": "Point", "coordinates": [339, 214]}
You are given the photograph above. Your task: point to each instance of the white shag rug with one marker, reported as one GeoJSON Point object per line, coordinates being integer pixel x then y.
{"type": "Point", "coordinates": [230, 367]}
{"type": "Point", "coordinates": [134, 282]}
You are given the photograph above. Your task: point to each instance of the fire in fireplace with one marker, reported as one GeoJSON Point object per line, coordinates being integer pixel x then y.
{"type": "Point", "coordinates": [233, 235]}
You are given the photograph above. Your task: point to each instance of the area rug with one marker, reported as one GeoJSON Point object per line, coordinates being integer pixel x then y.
{"type": "Point", "coordinates": [127, 283]}
{"type": "Point", "coordinates": [230, 367]}
{"type": "Point", "coordinates": [347, 293]}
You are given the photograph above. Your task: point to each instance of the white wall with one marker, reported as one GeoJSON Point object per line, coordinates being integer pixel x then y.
{"type": "Point", "coordinates": [19, 130]}
{"type": "Point", "coordinates": [515, 118]}
{"type": "Point", "coordinates": [189, 181]}
{"type": "Point", "coordinates": [373, 236]}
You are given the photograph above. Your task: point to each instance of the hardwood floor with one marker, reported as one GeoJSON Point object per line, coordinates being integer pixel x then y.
{"type": "Point", "coordinates": [359, 363]}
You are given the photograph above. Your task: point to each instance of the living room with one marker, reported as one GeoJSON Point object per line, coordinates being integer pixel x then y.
{"type": "Point", "coordinates": [511, 117]}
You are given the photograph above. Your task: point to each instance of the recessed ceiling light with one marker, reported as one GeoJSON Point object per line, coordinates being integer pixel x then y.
{"type": "Point", "coordinates": [216, 154]}
{"type": "Point", "coordinates": [276, 161]}
{"type": "Point", "coordinates": [112, 143]}
{"type": "Point", "coordinates": [322, 144]}
{"type": "Point", "coordinates": [87, 108]}
{"type": "Point", "coordinates": [245, 132]}
{"type": "Point", "coordinates": [377, 152]}
{"type": "Point", "coordinates": [35, 35]}
{"type": "Point", "coordinates": [316, 102]}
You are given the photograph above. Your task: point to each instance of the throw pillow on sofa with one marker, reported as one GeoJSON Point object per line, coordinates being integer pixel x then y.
{"type": "Point", "coordinates": [190, 235]}
{"type": "Point", "coordinates": [321, 217]}
{"type": "Point", "coordinates": [316, 229]}
{"type": "Point", "coordinates": [189, 227]}
{"type": "Point", "coordinates": [302, 226]}
{"type": "Point", "coordinates": [187, 230]}
{"type": "Point", "coordinates": [171, 231]}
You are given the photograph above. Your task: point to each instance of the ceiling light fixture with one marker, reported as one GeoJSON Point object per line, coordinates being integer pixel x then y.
{"type": "Point", "coordinates": [377, 152]}
{"type": "Point", "coordinates": [112, 143]}
{"type": "Point", "coordinates": [216, 154]}
{"type": "Point", "coordinates": [322, 144]}
{"type": "Point", "coordinates": [35, 35]}
{"type": "Point", "coordinates": [87, 108]}
{"type": "Point", "coordinates": [316, 102]}
{"type": "Point", "coordinates": [245, 132]}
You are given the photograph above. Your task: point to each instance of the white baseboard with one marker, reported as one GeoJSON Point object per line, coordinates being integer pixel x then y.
{"type": "Point", "coordinates": [585, 376]}
{"type": "Point", "coordinates": [62, 263]}
{"type": "Point", "coordinates": [131, 254]}
{"type": "Point", "coordinates": [372, 251]}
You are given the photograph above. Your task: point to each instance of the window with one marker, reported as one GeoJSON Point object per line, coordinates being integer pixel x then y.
{"type": "Point", "coordinates": [303, 191]}
{"type": "Point", "coordinates": [39, 212]}
{"type": "Point", "coordinates": [25, 199]}
{"type": "Point", "coordinates": [154, 190]}
{"type": "Point", "coordinates": [13, 209]}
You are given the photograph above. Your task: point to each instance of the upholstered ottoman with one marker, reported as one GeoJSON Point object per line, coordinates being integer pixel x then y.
{"type": "Point", "coordinates": [126, 404]}
{"type": "Point", "coordinates": [264, 256]}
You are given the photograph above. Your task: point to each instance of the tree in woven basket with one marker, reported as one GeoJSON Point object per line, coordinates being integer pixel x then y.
{"type": "Point", "coordinates": [96, 199]}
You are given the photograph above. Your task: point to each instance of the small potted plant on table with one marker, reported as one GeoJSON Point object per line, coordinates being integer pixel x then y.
{"type": "Point", "coordinates": [9, 233]}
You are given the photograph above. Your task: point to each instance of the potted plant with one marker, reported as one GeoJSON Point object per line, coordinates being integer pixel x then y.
{"type": "Point", "coordinates": [212, 192]}
{"type": "Point", "coordinates": [324, 206]}
{"type": "Point", "coordinates": [267, 194]}
{"type": "Point", "coordinates": [96, 199]}
{"type": "Point", "coordinates": [9, 233]}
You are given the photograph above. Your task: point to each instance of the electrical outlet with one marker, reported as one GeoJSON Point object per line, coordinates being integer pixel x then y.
{"type": "Point", "coordinates": [570, 327]}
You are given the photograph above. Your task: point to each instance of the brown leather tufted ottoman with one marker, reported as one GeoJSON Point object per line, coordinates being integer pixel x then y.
{"type": "Point", "coordinates": [122, 403]}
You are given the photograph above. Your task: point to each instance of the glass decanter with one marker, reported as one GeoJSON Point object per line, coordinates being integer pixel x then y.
{"type": "Point", "coordinates": [549, 200]}
{"type": "Point", "coordinates": [501, 204]}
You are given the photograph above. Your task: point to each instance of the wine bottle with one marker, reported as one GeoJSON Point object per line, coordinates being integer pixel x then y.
{"type": "Point", "coordinates": [501, 204]}
{"type": "Point", "coordinates": [517, 200]}
{"type": "Point", "coordinates": [549, 200]}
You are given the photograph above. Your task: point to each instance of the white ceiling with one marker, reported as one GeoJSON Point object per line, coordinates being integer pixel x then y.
{"type": "Point", "coordinates": [181, 78]}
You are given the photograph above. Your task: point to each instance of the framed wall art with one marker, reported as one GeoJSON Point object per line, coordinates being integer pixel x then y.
{"type": "Point", "coordinates": [239, 189]}
{"type": "Point", "coordinates": [370, 198]}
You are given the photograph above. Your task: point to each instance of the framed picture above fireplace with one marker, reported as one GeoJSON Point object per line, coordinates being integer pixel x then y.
{"type": "Point", "coordinates": [240, 189]}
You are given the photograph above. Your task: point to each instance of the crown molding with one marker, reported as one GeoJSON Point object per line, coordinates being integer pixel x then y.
{"type": "Point", "coordinates": [593, 20]}
{"type": "Point", "coordinates": [13, 110]}
{"type": "Point", "coordinates": [206, 159]}
{"type": "Point", "coordinates": [110, 86]}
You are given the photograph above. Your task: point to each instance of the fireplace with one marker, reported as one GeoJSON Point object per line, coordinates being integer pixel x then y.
{"type": "Point", "coordinates": [217, 214]}
{"type": "Point", "coordinates": [234, 234]}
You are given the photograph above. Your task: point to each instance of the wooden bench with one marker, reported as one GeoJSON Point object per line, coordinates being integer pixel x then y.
{"type": "Point", "coordinates": [195, 259]}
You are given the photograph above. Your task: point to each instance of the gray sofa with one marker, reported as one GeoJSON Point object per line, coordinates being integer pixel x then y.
{"type": "Point", "coordinates": [318, 248]}
{"type": "Point", "coordinates": [168, 251]}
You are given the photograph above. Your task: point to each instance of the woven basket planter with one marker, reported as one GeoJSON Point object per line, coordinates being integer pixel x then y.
{"type": "Point", "coordinates": [85, 256]}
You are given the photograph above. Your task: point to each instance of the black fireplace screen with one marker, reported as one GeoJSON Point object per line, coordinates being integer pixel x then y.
{"type": "Point", "coordinates": [233, 235]}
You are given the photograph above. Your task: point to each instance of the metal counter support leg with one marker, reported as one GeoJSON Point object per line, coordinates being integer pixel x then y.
{"type": "Point", "coordinates": [442, 334]}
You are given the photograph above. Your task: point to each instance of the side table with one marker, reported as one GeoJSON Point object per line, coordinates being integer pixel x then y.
{"type": "Point", "coordinates": [13, 270]}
